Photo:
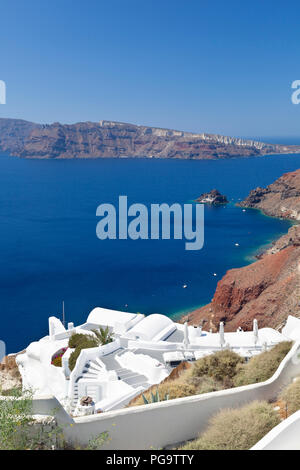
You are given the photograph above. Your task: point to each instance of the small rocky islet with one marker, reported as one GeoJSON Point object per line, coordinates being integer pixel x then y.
{"type": "Point", "coordinates": [213, 197]}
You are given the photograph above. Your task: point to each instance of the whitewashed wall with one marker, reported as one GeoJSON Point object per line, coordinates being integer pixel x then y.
{"type": "Point", "coordinates": [166, 423]}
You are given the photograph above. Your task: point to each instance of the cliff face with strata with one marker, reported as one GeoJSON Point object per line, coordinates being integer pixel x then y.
{"type": "Point", "coordinates": [14, 133]}
{"type": "Point", "coordinates": [114, 139]}
{"type": "Point", "coordinates": [279, 199]}
{"type": "Point", "coordinates": [269, 289]}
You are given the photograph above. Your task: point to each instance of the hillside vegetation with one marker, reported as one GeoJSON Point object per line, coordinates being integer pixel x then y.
{"type": "Point", "coordinates": [236, 429]}
{"type": "Point", "coordinates": [221, 370]}
{"type": "Point", "coordinates": [291, 397]}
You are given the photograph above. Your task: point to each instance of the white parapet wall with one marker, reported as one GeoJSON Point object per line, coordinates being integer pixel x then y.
{"type": "Point", "coordinates": [154, 346]}
{"type": "Point", "coordinates": [167, 423]}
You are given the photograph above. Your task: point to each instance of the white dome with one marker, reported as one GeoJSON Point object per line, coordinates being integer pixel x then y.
{"type": "Point", "coordinates": [155, 327]}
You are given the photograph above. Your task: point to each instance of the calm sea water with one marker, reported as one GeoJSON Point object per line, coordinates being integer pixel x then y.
{"type": "Point", "coordinates": [49, 250]}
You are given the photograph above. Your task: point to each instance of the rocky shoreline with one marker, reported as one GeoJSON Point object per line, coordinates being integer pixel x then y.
{"type": "Point", "coordinates": [268, 289]}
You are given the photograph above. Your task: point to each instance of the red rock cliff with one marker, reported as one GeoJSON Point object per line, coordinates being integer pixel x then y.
{"type": "Point", "coordinates": [269, 289]}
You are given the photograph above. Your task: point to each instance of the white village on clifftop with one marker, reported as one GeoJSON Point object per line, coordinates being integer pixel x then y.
{"type": "Point", "coordinates": [135, 353]}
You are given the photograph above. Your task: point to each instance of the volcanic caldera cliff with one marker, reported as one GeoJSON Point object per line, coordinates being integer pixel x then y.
{"type": "Point", "coordinates": [268, 289]}
{"type": "Point", "coordinates": [109, 139]}
{"type": "Point", "coordinates": [279, 199]}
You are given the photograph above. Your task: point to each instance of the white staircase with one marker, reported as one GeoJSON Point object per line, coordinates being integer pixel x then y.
{"type": "Point", "coordinates": [132, 378]}
{"type": "Point", "coordinates": [92, 373]}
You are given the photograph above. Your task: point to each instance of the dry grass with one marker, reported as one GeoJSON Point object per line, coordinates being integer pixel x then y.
{"type": "Point", "coordinates": [182, 382]}
{"type": "Point", "coordinates": [175, 389]}
{"type": "Point", "coordinates": [221, 370]}
{"type": "Point", "coordinates": [263, 366]}
{"type": "Point", "coordinates": [220, 366]}
{"type": "Point", "coordinates": [291, 397]}
{"type": "Point", "coordinates": [236, 429]}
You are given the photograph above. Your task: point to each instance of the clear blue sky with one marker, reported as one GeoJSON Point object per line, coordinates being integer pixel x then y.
{"type": "Point", "coordinates": [214, 66]}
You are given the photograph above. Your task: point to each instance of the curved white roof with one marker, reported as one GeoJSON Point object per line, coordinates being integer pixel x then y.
{"type": "Point", "coordinates": [106, 317]}
{"type": "Point", "coordinates": [154, 327]}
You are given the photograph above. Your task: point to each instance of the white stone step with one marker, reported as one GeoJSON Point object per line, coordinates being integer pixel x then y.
{"type": "Point", "coordinates": [90, 372]}
{"type": "Point", "coordinates": [94, 366]}
{"type": "Point", "coordinates": [128, 375]}
{"type": "Point", "coordinates": [100, 363]}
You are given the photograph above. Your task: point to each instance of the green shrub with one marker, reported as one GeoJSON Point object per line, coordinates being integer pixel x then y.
{"type": "Point", "coordinates": [263, 366]}
{"type": "Point", "coordinates": [75, 340]}
{"type": "Point", "coordinates": [73, 358]}
{"type": "Point", "coordinates": [86, 342]}
{"type": "Point", "coordinates": [97, 442]}
{"type": "Point", "coordinates": [11, 392]}
{"type": "Point", "coordinates": [291, 396]}
{"type": "Point", "coordinates": [14, 421]}
{"type": "Point", "coordinates": [207, 384]}
{"type": "Point", "coordinates": [221, 366]}
{"type": "Point", "coordinates": [19, 431]}
{"type": "Point", "coordinates": [236, 429]}
{"type": "Point", "coordinates": [79, 341]}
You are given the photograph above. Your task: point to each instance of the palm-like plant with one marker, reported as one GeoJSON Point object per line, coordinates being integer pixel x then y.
{"type": "Point", "coordinates": [103, 336]}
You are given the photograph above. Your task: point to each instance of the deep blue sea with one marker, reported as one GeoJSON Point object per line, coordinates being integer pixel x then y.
{"type": "Point", "coordinates": [49, 251]}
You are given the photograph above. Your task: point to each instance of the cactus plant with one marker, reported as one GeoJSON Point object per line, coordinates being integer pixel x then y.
{"type": "Point", "coordinates": [155, 398]}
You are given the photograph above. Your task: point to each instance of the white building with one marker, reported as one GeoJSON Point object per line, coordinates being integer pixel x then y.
{"type": "Point", "coordinates": [143, 353]}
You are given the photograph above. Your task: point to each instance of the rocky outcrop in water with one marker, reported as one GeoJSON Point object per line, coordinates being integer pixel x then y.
{"type": "Point", "coordinates": [268, 289]}
{"type": "Point", "coordinates": [214, 197]}
{"type": "Point", "coordinates": [115, 139]}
